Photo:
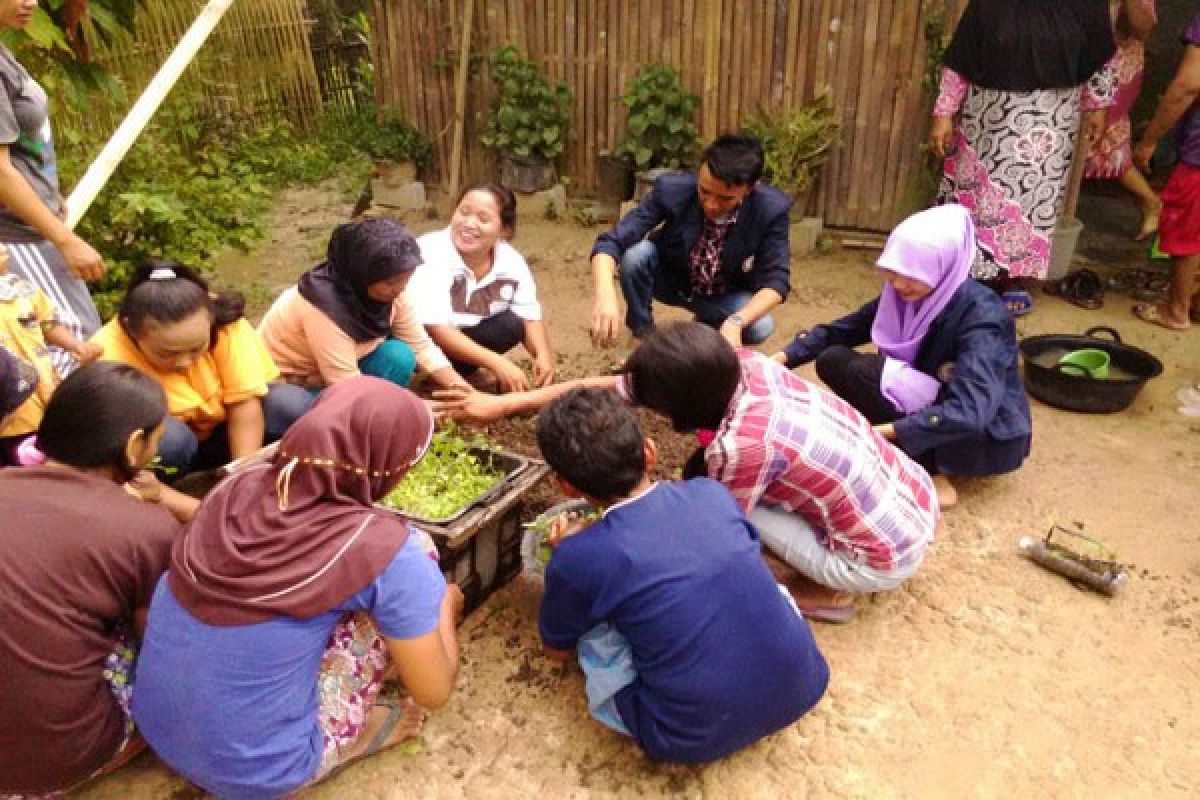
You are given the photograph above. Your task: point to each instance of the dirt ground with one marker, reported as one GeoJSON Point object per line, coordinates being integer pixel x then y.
{"type": "Point", "coordinates": [983, 677]}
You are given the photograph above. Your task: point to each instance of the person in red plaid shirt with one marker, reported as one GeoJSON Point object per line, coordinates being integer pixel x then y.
{"type": "Point", "coordinates": [829, 495]}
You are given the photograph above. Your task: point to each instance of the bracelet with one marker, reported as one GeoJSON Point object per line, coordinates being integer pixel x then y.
{"type": "Point", "coordinates": [736, 319]}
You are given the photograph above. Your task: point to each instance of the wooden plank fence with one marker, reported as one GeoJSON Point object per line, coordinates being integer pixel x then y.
{"type": "Point", "coordinates": [258, 60]}
{"type": "Point", "coordinates": [738, 55]}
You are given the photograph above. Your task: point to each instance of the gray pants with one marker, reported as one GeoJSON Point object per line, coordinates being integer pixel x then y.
{"type": "Point", "coordinates": [41, 264]}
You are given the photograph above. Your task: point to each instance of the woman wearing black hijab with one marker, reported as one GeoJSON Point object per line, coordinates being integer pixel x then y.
{"type": "Point", "coordinates": [1017, 77]}
{"type": "Point", "coordinates": [349, 314]}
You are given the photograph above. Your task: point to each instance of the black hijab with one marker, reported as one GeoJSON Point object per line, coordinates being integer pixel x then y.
{"type": "Point", "coordinates": [360, 253]}
{"type": "Point", "coordinates": [1023, 45]}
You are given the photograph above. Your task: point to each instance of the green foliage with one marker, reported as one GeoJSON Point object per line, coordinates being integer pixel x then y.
{"type": "Point", "coordinates": [529, 117]}
{"type": "Point", "coordinates": [449, 477]}
{"type": "Point", "coordinates": [45, 49]}
{"type": "Point", "coordinates": [937, 39]}
{"type": "Point", "coordinates": [380, 135]}
{"type": "Point", "coordinates": [660, 131]}
{"type": "Point", "coordinates": [193, 186]}
{"type": "Point", "coordinates": [795, 142]}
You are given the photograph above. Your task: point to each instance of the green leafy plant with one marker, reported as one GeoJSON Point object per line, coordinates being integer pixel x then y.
{"type": "Point", "coordinates": [381, 134]}
{"type": "Point", "coordinates": [529, 117]}
{"type": "Point", "coordinates": [659, 128]}
{"type": "Point", "coordinates": [796, 141]}
{"type": "Point", "coordinates": [195, 184]}
{"type": "Point", "coordinates": [450, 476]}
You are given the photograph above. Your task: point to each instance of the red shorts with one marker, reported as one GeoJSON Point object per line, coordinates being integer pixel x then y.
{"type": "Point", "coordinates": [1179, 223]}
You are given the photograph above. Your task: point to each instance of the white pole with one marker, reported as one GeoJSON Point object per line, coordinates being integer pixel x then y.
{"type": "Point", "coordinates": [110, 157]}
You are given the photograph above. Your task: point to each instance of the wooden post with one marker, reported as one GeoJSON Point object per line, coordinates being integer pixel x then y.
{"type": "Point", "coordinates": [143, 110]}
{"type": "Point", "coordinates": [712, 60]}
{"type": "Point", "coordinates": [1075, 182]}
{"type": "Point", "coordinates": [460, 97]}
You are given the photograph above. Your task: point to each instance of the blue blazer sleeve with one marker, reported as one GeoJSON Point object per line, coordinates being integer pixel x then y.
{"type": "Point", "coordinates": [772, 267]}
{"type": "Point", "coordinates": [851, 331]}
{"type": "Point", "coordinates": [634, 226]}
{"type": "Point", "coordinates": [970, 401]}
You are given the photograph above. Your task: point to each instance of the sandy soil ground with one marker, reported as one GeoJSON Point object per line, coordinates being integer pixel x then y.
{"type": "Point", "coordinates": [983, 677]}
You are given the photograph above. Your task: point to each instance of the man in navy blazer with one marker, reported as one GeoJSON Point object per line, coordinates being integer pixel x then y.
{"type": "Point", "coordinates": [720, 249]}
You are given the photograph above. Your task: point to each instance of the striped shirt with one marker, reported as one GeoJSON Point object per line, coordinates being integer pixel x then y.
{"type": "Point", "coordinates": [788, 444]}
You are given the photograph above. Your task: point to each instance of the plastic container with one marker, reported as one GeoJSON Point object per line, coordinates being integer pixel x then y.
{"type": "Point", "coordinates": [1089, 361]}
{"type": "Point", "coordinates": [531, 539]}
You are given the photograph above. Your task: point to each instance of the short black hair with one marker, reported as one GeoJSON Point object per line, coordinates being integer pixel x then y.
{"type": "Point", "coordinates": [506, 201]}
{"type": "Point", "coordinates": [169, 292]}
{"type": "Point", "coordinates": [92, 413]}
{"type": "Point", "coordinates": [734, 158]}
{"type": "Point", "coordinates": [686, 371]}
{"type": "Point", "coordinates": [593, 439]}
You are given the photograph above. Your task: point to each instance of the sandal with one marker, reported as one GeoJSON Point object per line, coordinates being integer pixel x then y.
{"type": "Point", "coordinates": [1018, 302]}
{"type": "Point", "coordinates": [1148, 312]}
{"type": "Point", "coordinates": [1082, 288]}
{"type": "Point", "coordinates": [835, 615]}
{"type": "Point", "coordinates": [396, 714]}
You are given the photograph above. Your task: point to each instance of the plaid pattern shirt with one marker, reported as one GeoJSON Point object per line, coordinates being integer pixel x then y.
{"type": "Point", "coordinates": [788, 444]}
{"type": "Point", "coordinates": [704, 263]}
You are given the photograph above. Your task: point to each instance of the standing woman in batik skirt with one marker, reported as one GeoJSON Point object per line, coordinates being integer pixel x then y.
{"type": "Point", "coordinates": [1111, 156]}
{"type": "Point", "coordinates": [1018, 74]}
{"type": "Point", "coordinates": [32, 212]}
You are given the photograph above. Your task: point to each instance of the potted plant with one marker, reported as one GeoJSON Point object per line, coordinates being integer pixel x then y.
{"type": "Point", "coordinates": [528, 121]}
{"type": "Point", "coordinates": [796, 141]}
{"type": "Point", "coordinates": [397, 149]}
{"type": "Point", "coordinates": [660, 133]}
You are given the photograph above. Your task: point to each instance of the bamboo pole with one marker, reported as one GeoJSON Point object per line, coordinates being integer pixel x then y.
{"type": "Point", "coordinates": [135, 122]}
{"type": "Point", "coordinates": [460, 96]}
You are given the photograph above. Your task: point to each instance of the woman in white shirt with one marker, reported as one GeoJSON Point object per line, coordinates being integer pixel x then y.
{"type": "Point", "coordinates": [475, 293]}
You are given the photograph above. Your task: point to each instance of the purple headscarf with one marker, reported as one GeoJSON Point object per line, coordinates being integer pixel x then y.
{"type": "Point", "coordinates": [935, 247]}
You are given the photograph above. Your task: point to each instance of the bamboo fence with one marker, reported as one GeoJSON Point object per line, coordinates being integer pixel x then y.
{"type": "Point", "coordinates": [258, 60]}
{"type": "Point", "coordinates": [737, 55]}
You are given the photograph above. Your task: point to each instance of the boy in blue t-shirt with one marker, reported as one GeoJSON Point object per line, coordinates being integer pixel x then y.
{"type": "Point", "coordinates": [687, 642]}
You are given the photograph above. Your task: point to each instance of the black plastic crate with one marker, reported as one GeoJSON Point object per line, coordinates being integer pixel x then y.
{"type": "Point", "coordinates": [479, 547]}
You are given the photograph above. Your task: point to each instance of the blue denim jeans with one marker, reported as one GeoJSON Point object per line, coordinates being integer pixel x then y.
{"type": "Point", "coordinates": [181, 452]}
{"type": "Point", "coordinates": [642, 282]}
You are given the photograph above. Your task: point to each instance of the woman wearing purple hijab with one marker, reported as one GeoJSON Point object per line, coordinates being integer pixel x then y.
{"type": "Point", "coordinates": [944, 383]}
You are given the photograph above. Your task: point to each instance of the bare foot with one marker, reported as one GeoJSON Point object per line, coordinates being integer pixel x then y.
{"type": "Point", "coordinates": [946, 493]}
{"type": "Point", "coordinates": [1149, 223]}
{"type": "Point", "coordinates": [1160, 315]}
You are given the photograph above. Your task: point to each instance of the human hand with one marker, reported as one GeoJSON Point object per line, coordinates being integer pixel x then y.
{"type": "Point", "coordinates": [1094, 124]}
{"type": "Point", "coordinates": [87, 352]}
{"type": "Point", "coordinates": [145, 486]}
{"type": "Point", "coordinates": [544, 370]}
{"type": "Point", "coordinates": [732, 331]}
{"type": "Point", "coordinates": [1142, 153]}
{"type": "Point", "coordinates": [606, 321]}
{"type": "Point", "coordinates": [941, 136]}
{"type": "Point", "coordinates": [567, 524]}
{"type": "Point", "coordinates": [465, 404]}
{"type": "Point", "coordinates": [510, 377]}
{"type": "Point", "coordinates": [82, 259]}
{"type": "Point", "coordinates": [780, 358]}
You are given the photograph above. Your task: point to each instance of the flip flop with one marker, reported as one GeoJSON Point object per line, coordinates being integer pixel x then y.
{"type": "Point", "coordinates": [835, 615]}
{"type": "Point", "coordinates": [1147, 312]}
{"type": "Point", "coordinates": [396, 713]}
{"type": "Point", "coordinates": [1018, 302]}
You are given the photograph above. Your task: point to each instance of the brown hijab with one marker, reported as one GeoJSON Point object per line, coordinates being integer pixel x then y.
{"type": "Point", "coordinates": [298, 536]}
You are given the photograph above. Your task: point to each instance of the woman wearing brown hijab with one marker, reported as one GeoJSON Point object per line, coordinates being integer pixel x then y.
{"type": "Point", "coordinates": [289, 596]}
